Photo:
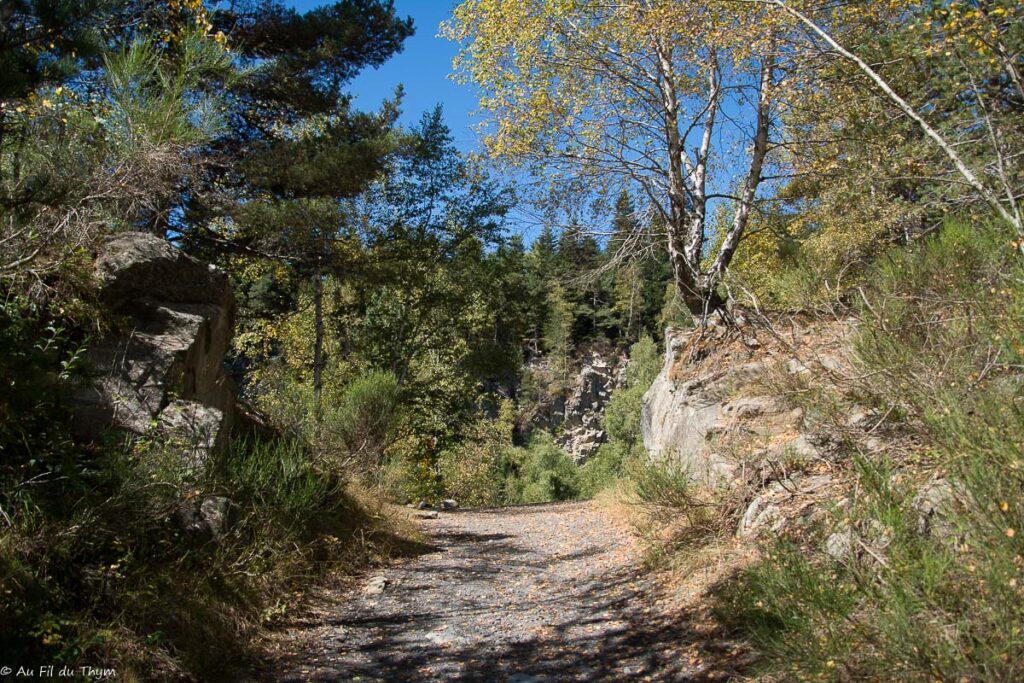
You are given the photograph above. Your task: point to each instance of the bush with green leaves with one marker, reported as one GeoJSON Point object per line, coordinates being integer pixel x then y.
{"type": "Point", "coordinates": [358, 418]}
{"type": "Point", "coordinates": [622, 421]}
{"type": "Point", "coordinates": [111, 573]}
{"type": "Point", "coordinates": [942, 340]}
{"type": "Point", "coordinates": [357, 428]}
{"type": "Point", "coordinates": [604, 468]}
{"type": "Point", "coordinates": [106, 153]}
{"type": "Point", "coordinates": [487, 469]}
{"type": "Point", "coordinates": [475, 471]}
{"type": "Point", "coordinates": [543, 473]}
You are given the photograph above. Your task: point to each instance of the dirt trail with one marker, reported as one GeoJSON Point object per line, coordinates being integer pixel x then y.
{"type": "Point", "coordinates": [536, 593]}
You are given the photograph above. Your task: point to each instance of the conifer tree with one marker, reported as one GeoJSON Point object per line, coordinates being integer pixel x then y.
{"type": "Point", "coordinates": [540, 272]}
{"type": "Point", "coordinates": [297, 148]}
{"type": "Point", "coordinates": [558, 332]}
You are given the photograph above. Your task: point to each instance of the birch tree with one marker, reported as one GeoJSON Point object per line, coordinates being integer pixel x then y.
{"type": "Point", "coordinates": [978, 45]}
{"type": "Point", "coordinates": [674, 99]}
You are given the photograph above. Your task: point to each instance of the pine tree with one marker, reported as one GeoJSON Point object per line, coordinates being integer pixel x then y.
{"type": "Point", "coordinates": [540, 273]}
{"type": "Point", "coordinates": [46, 41]}
{"type": "Point", "coordinates": [296, 148]}
{"type": "Point", "coordinates": [558, 332]}
{"type": "Point", "coordinates": [627, 293]}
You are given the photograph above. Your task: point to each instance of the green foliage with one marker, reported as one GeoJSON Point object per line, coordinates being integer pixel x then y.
{"type": "Point", "coordinates": [642, 284]}
{"type": "Point", "coordinates": [663, 484]}
{"type": "Point", "coordinates": [486, 469]}
{"type": "Point", "coordinates": [276, 484]}
{"type": "Point", "coordinates": [298, 147]}
{"type": "Point", "coordinates": [419, 284]}
{"type": "Point", "coordinates": [95, 562]}
{"type": "Point", "coordinates": [941, 339]}
{"type": "Point", "coordinates": [476, 472]}
{"type": "Point", "coordinates": [543, 473]}
{"type": "Point", "coordinates": [300, 61]}
{"type": "Point", "coordinates": [357, 423]}
{"type": "Point", "coordinates": [605, 468]}
{"type": "Point", "coordinates": [967, 274]}
{"type": "Point", "coordinates": [74, 167]}
{"type": "Point", "coordinates": [909, 607]}
{"type": "Point", "coordinates": [674, 312]}
{"type": "Point", "coordinates": [363, 421]}
{"type": "Point", "coordinates": [39, 359]}
{"type": "Point", "coordinates": [558, 332]}
{"type": "Point", "coordinates": [158, 101]}
{"type": "Point", "coordinates": [871, 179]}
{"type": "Point", "coordinates": [580, 293]}
{"type": "Point", "coordinates": [104, 130]}
{"type": "Point", "coordinates": [622, 415]}
{"type": "Point", "coordinates": [45, 40]}
{"type": "Point", "coordinates": [622, 421]}
{"type": "Point", "coordinates": [679, 514]}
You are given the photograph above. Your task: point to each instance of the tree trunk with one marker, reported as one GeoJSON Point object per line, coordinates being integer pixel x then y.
{"type": "Point", "coordinates": [318, 342]}
{"type": "Point", "coordinates": [696, 291]}
{"type": "Point", "coordinates": [758, 154]}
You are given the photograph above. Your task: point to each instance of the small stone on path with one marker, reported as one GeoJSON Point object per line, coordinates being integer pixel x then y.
{"type": "Point", "coordinates": [376, 585]}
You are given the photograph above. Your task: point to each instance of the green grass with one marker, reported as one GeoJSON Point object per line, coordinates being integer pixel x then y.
{"type": "Point", "coordinates": [941, 339]}
{"type": "Point", "coordinates": [111, 576]}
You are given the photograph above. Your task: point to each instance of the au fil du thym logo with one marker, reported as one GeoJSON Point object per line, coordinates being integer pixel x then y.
{"type": "Point", "coordinates": [92, 673]}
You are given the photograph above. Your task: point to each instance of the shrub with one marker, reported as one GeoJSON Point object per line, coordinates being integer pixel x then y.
{"type": "Point", "coordinates": [358, 419]}
{"type": "Point", "coordinates": [545, 473]}
{"type": "Point", "coordinates": [476, 471]}
{"type": "Point", "coordinates": [622, 421]}
{"type": "Point", "coordinates": [109, 574]}
{"type": "Point", "coordinates": [358, 427]}
{"type": "Point", "coordinates": [276, 483]}
{"type": "Point", "coordinates": [486, 469]}
{"type": "Point", "coordinates": [622, 415]}
{"type": "Point", "coordinates": [942, 339]}
{"type": "Point", "coordinates": [604, 468]}
{"type": "Point", "coordinates": [678, 512]}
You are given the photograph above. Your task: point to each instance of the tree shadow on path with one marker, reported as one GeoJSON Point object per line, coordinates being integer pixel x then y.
{"type": "Point", "coordinates": [489, 607]}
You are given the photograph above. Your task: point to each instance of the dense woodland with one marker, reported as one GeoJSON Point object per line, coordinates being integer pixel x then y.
{"type": "Point", "coordinates": [688, 164]}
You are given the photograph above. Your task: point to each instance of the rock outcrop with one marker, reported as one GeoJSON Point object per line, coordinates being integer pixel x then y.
{"type": "Point", "coordinates": [716, 412]}
{"type": "Point", "coordinates": [706, 416]}
{"type": "Point", "coordinates": [160, 371]}
{"type": "Point", "coordinates": [575, 414]}
{"type": "Point", "coordinates": [780, 436]}
{"type": "Point", "coordinates": [206, 519]}
{"type": "Point", "coordinates": [582, 433]}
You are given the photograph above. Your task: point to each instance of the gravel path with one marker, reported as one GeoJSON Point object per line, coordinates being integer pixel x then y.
{"type": "Point", "coordinates": [534, 593]}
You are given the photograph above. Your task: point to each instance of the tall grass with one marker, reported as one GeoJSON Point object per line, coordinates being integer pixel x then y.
{"type": "Point", "coordinates": [941, 341]}
{"type": "Point", "coordinates": [111, 575]}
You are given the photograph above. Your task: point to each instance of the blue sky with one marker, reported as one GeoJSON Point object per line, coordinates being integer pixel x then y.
{"type": "Point", "coordinates": [422, 67]}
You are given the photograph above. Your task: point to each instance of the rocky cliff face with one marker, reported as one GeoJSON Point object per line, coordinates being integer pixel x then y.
{"type": "Point", "coordinates": [699, 407]}
{"type": "Point", "coordinates": [161, 370]}
{"type": "Point", "coordinates": [767, 421]}
{"type": "Point", "coordinates": [582, 433]}
{"type": "Point", "coordinates": [715, 411]}
{"type": "Point", "coordinates": [575, 415]}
